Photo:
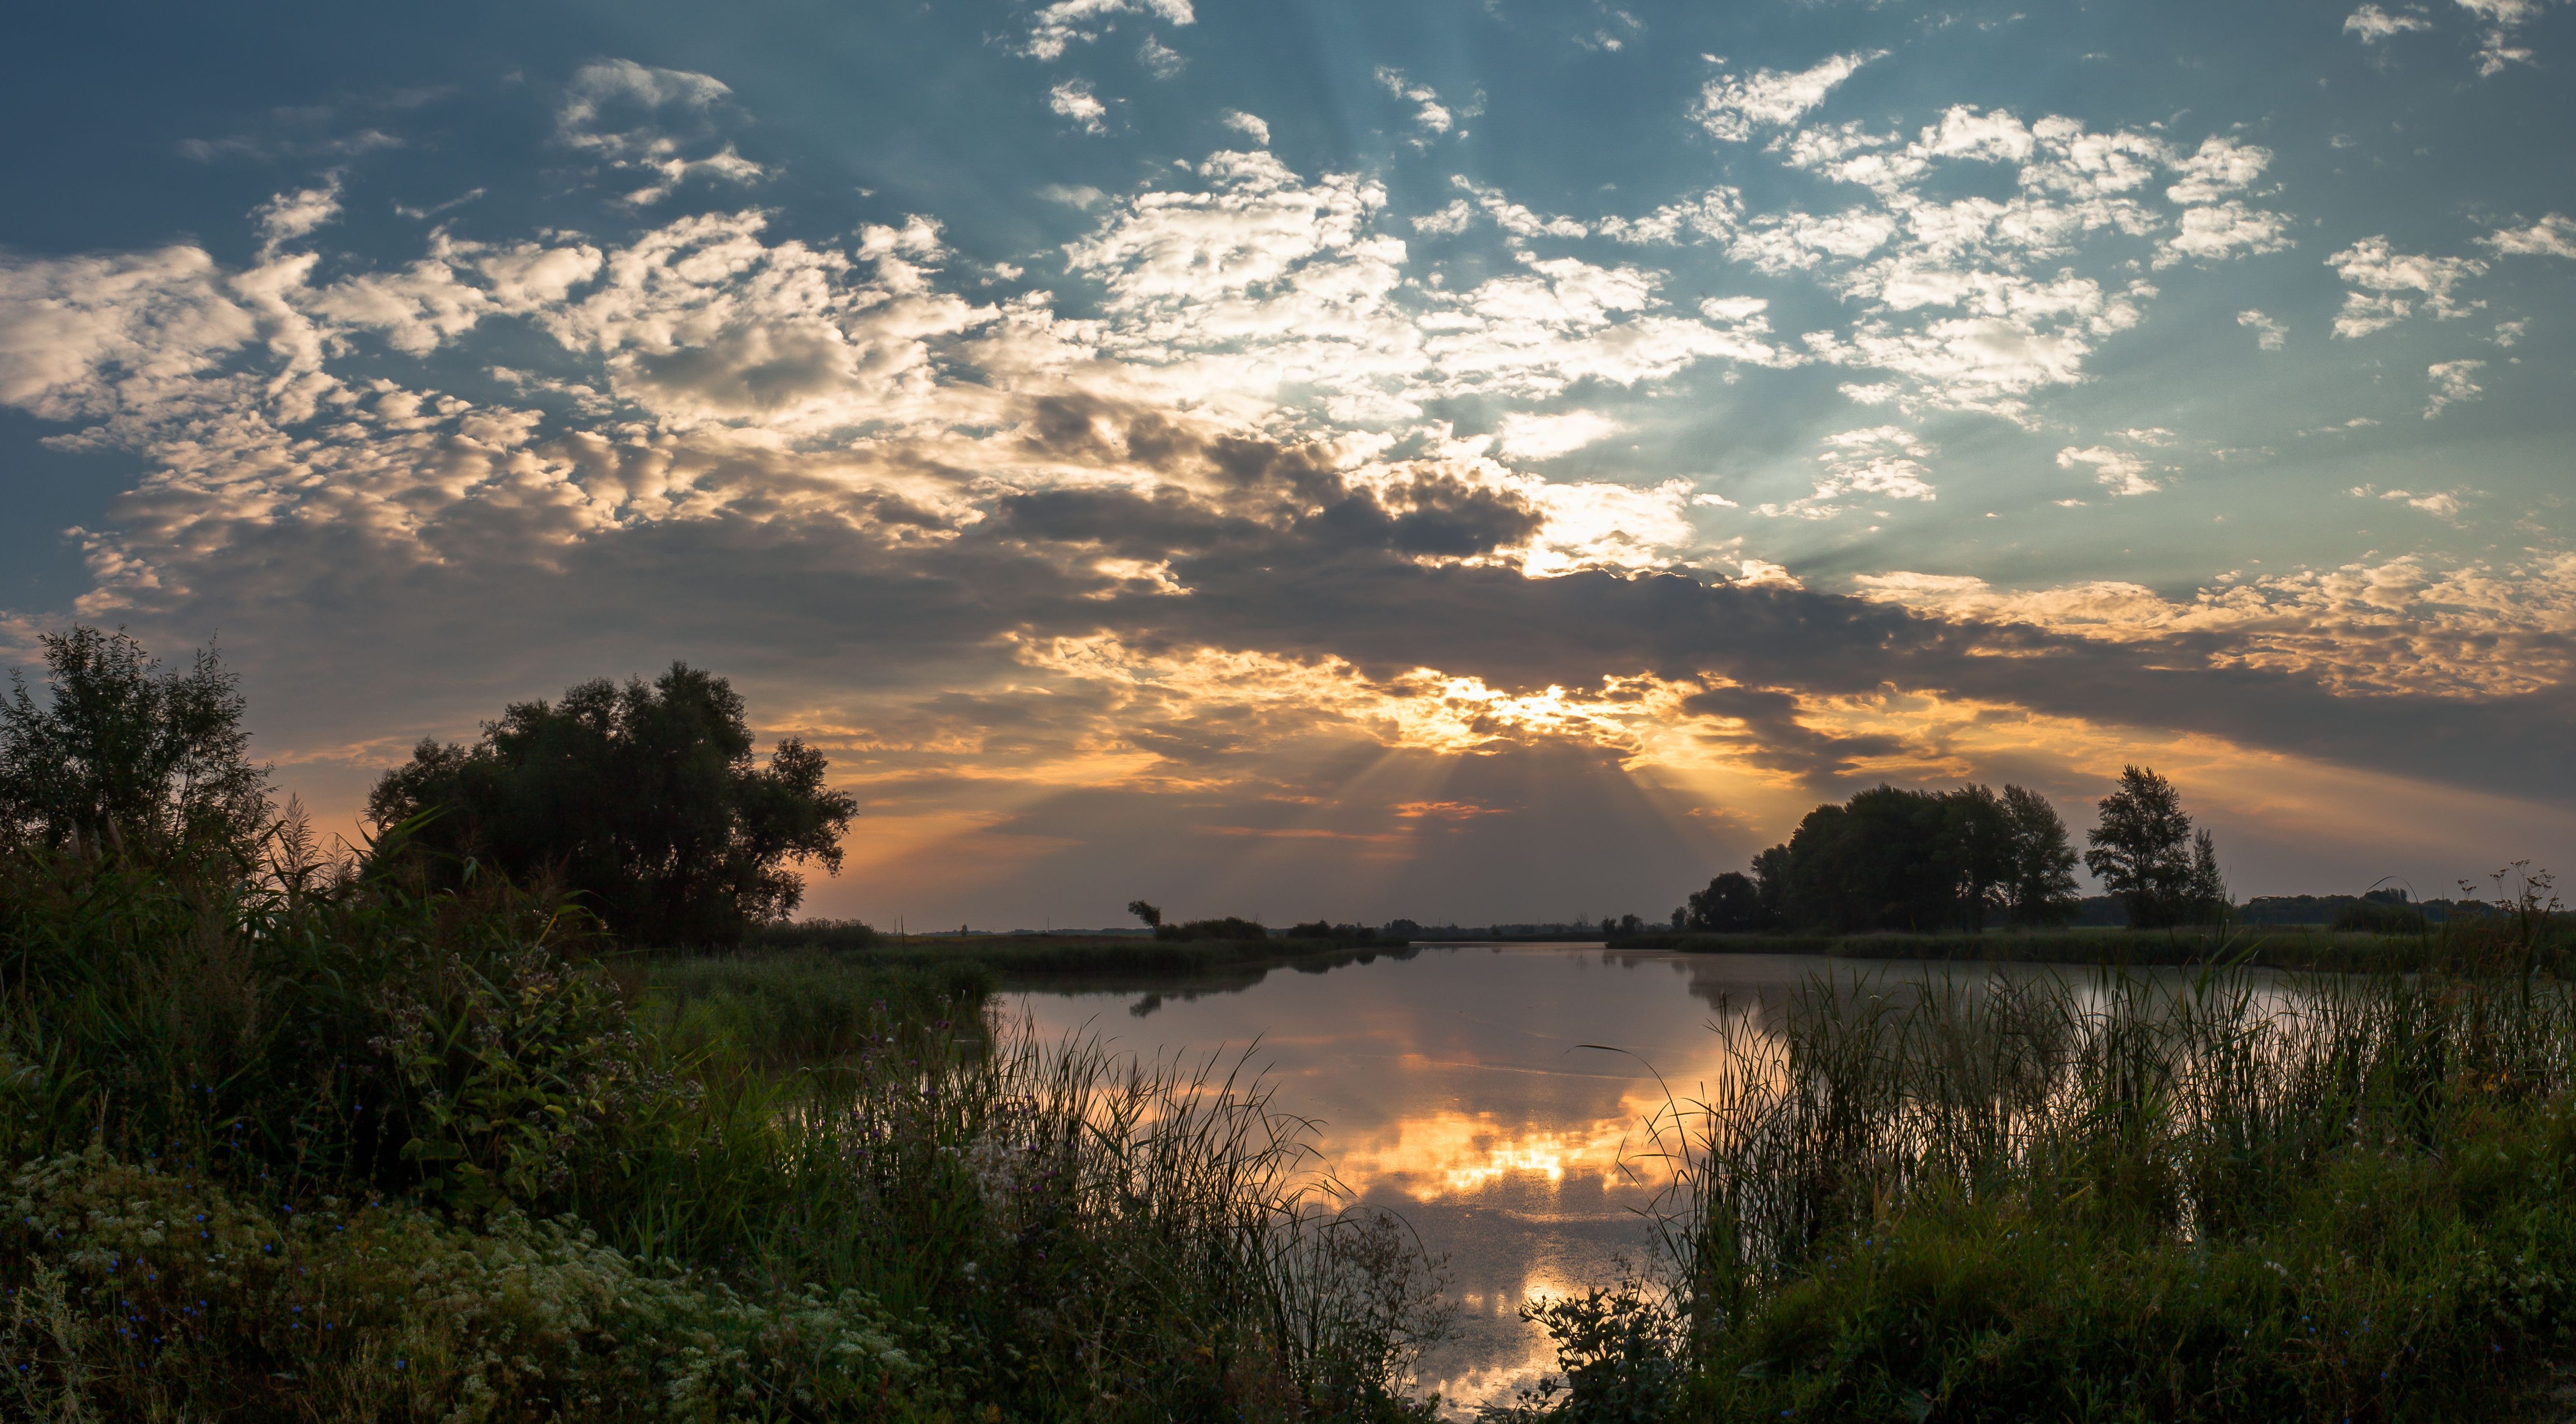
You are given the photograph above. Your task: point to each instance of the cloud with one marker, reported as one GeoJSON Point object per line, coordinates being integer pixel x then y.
{"type": "Point", "coordinates": [1073, 99]}
{"type": "Point", "coordinates": [1880, 461]}
{"type": "Point", "coordinates": [2270, 335]}
{"type": "Point", "coordinates": [1250, 125]}
{"type": "Point", "coordinates": [1544, 437]}
{"type": "Point", "coordinates": [2115, 470]}
{"type": "Point", "coordinates": [1731, 107]}
{"type": "Point", "coordinates": [1514, 218]}
{"type": "Point", "coordinates": [642, 120]}
{"type": "Point", "coordinates": [2552, 236]}
{"type": "Point", "coordinates": [2452, 385]}
{"type": "Point", "coordinates": [2382, 272]}
{"type": "Point", "coordinates": [289, 216]}
{"type": "Point", "coordinates": [2401, 627]}
{"type": "Point", "coordinates": [1066, 22]}
{"type": "Point", "coordinates": [1082, 196]}
{"type": "Point", "coordinates": [2445, 504]}
{"type": "Point", "coordinates": [2216, 233]}
{"type": "Point", "coordinates": [1160, 60]}
{"type": "Point", "coordinates": [2374, 24]}
{"type": "Point", "coordinates": [2503, 17]}
{"type": "Point", "coordinates": [1432, 117]}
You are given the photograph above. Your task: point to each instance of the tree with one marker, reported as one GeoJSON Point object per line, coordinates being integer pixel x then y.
{"type": "Point", "coordinates": [1152, 916]}
{"type": "Point", "coordinates": [645, 799]}
{"type": "Point", "coordinates": [2205, 897]}
{"type": "Point", "coordinates": [2142, 850]}
{"type": "Point", "coordinates": [2041, 889]}
{"type": "Point", "coordinates": [1976, 847]}
{"type": "Point", "coordinates": [120, 752]}
{"type": "Point", "coordinates": [1729, 905]}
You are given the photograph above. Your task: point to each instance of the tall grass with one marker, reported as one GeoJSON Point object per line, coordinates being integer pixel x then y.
{"type": "Point", "coordinates": [318, 1143]}
{"type": "Point", "coordinates": [2111, 1196]}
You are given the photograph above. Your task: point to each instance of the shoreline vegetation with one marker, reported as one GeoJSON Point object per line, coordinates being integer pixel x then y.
{"type": "Point", "coordinates": [394, 1133]}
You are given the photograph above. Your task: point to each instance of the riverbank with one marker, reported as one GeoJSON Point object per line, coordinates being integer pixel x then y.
{"type": "Point", "coordinates": [336, 1147]}
{"type": "Point", "coordinates": [2109, 1197]}
{"type": "Point", "coordinates": [2259, 946]}
{"type": "Point", "coordinates": [1063, 961]}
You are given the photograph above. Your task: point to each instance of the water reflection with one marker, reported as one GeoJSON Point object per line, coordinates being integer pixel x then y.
{"type": "Point", "coordinates": [1495, 1096]}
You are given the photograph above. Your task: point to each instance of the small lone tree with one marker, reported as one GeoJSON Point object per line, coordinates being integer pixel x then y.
{"type": "Point", "coordinates": [2040, 889]}
{"type": "Point", "coordinates": [2142, 850]}
{"type": "Point", "coordinates": [1150, 914]}
{"type": "Point", "coordinates": [644, 798]}
{"type": "Point", "coordinates": [122, 753]}
{"type": "Point", "coordinates": [1730, 905]}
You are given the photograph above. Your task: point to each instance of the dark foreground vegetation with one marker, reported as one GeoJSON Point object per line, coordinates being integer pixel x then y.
{"type": "Point", "coordinates": [2118, 1196]}
{"type": "Point", "coordinates": [383, 1136]}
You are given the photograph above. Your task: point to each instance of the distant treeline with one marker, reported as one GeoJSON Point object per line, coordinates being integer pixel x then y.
{"type": "Point", "coordinates": [1890, 859]}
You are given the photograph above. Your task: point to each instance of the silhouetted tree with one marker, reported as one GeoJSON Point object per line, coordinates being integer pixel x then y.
{"type": "Point", "coordinates": [645, 799]}
{"type": "Point", "coordinates": [1730, 905]}
{"type": "Point", "coordinates": [1976, 848]}
{"type": "Point", "coordinates": [2142, 850]}
{"type": "Point", "coordinates": [2041, 889]}
{"type": "Point", "coordinates": [2206, 896]}
{"type": "Point", "coordinates": [1152, 916]}
{"type": "Point", "coordinates": [120, 752]}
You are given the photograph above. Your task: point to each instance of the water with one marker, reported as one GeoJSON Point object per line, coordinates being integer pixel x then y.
{"type": "Point", "coordinates": [1492, 1095]}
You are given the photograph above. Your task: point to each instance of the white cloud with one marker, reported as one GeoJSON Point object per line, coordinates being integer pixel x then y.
{"type": "Point", "coordinates": [1544, 437]}
{"type": "Point", "coordinates": [288, 216]}
{"type": "Point", "coordinates": [2270, 335]}
{"type": "Point", "coordinates": [2218, 232]}
{"type": "Point", "coordinates": [1160, 60]}
{"type": "Point", "coordinates": [1515, 219]}
{"type": "Point", "coordinates": [1731, 107]}
{"type": "Point", "coordinates": [1066, 22]}
{"type": "Point", "coordinates": [2400, 627]}
{"type": "Point", "coordinates": [2374, 24]}
{"type": "Point", "coordinates": [1880, 461]}
{"type": "Point", "coordinates": [1077, 196]}
{"type": "Point", "coordinates": [1433, 116]}
{"type": "Point", "coordinates": [1250, 125]}
{"type": "Point", "coordinates": [2382, 272]}
{"type": "Point", "coordinates": [2452, 385]}
{"type": "Point", "coordinates": [2115, 470]}
{"type": "Point", "coordinates": [1448, 221]}
{"type": "Point", "coordinates": [2496, 48]}
{"type": "Point", "coordinates": [2552, 236]}
{"type": "Point", "coordinates": [642, 120]}
{"type": "Point", "coordinates": [1073, 99]}
{"type": "Point", "coordinates": [2220, 166]}
{"type": "Point", "coordinates": [2441, 505]}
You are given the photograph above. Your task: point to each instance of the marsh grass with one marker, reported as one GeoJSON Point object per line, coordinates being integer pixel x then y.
{"type": "Point", "coordinates": [2112, 1195]}
{"type": "Point", "coordinates": [317, 1143]}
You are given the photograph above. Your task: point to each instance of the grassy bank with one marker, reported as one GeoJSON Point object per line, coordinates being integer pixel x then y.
{"type": "Point", "coordinates": [1054, 961]}
{"type": "Point", "coordinates": [315, 1144]}
{"type": "Point", "coordinates": [2260, 946]}
{"type": "Point", "coordinates": [2103, 1196]}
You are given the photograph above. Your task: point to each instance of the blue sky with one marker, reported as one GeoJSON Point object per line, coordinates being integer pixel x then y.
{"type": "Point", "coordinates": [1449, 458]}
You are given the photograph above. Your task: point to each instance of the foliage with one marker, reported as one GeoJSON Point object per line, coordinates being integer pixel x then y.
{"type": "Point", "coordinates": [119, 751]}
{"type": "Point", "coordinates": [2145, 853]}
{"type": "Point", "coordinates": [643, 799]}
{"type": "Point", "coordinates": [2123, 1197]}
{"type": "Point", "coordinates": [1228, 928]}
{"type": "Point", "coordinates": [1729, 905]}
{"type": "Point", "coordinates": [1890, 859]}
{"type": "Point", "coordinates": [2039, 889]}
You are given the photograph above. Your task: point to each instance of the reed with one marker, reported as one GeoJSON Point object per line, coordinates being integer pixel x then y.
{"type": "Point", "coordinates": [2111, 1195]}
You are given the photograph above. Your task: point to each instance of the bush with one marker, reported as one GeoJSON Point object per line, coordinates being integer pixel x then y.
{"type": "Point", "coordinates": [1229, 928]}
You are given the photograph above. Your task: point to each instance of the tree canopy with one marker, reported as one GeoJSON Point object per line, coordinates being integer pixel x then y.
{"type": "Point", "coordinates": [1890, 859]}
{"type": "Point", "coordinates": [2146, 852]}
{"type": "Point", "coordinates": [646, 799]}
{"type": "Point", "coordinates": [121, 752]}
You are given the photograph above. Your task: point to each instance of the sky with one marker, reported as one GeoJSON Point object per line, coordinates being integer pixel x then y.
{"type": "Point", "coordinates": [1454, 459]}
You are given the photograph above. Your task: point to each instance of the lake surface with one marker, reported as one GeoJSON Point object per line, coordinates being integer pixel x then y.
{"type": "Point", "coordinates": [1456, 1087]}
